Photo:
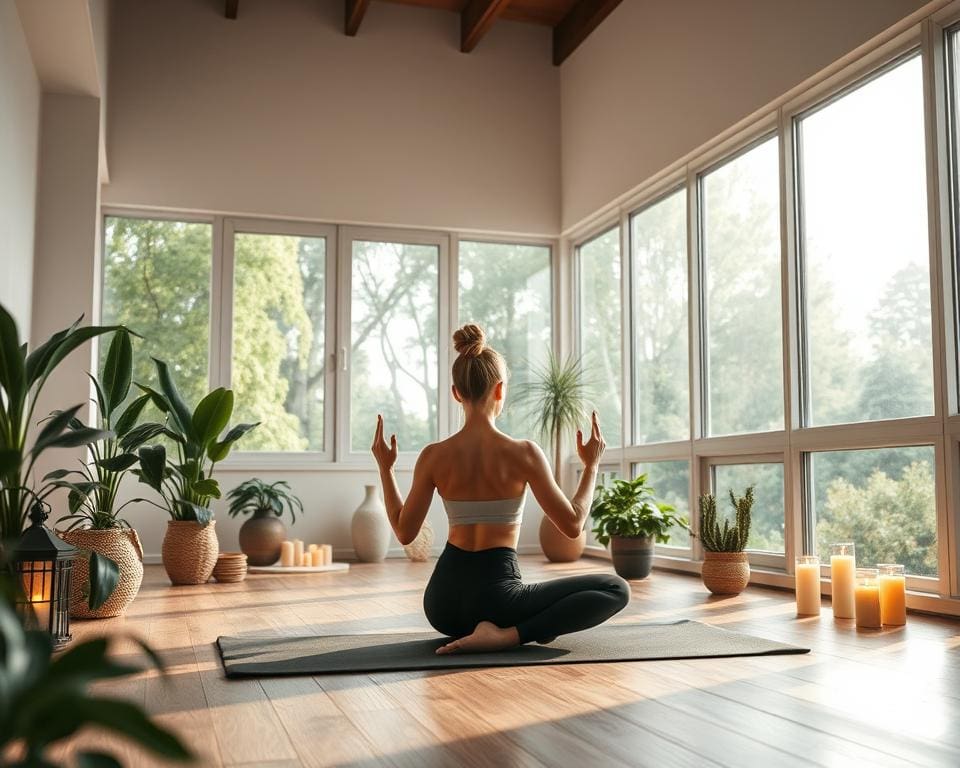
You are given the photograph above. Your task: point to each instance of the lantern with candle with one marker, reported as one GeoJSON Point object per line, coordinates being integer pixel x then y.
{"type": "Point", "coordinates": [44, 566]}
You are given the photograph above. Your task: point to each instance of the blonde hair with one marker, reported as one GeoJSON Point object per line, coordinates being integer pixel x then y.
{"type": "Point", "coordinates": [478, 368]}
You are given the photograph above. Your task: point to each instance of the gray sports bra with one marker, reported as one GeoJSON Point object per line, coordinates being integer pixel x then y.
{"type": "Point", "coordinates": [498, 511]}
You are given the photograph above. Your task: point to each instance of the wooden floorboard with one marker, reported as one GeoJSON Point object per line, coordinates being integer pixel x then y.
{"type": "Point", "coordinates": [883, 698]}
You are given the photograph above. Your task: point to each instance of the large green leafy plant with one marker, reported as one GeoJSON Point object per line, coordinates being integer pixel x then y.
{"type": "Point", "coordinates": [629, 509]}
{"type": "Point", "coordinates": [556, 399]}
{"type": "Point", "coordinates": [726, 538]}
{"type": "Point", "coordinates": [185, 482]}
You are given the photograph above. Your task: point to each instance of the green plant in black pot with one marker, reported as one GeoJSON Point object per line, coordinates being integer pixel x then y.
{"type": "Point", "coordinates": [628, 517]}
{"type": "Point", "coordinates": [262, 535]}
{"type": "Point", "coordinates": [185, 481]}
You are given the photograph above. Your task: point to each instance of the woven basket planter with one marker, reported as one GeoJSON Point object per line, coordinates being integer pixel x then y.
{"type": "Point", "coordinates": [122, 545]}
{"type": "Point", "coordinates": [418, 550]}
{"type": "Point", "coordinates": [190, 551]}
{"type": "Point", "coordinates": [725, 573]}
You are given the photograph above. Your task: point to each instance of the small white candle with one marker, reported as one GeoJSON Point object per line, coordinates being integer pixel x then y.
{"type": "Point", "coordinates": [808, 586]}
{"type": "Point", "coordinates": [297, 552]}
{"type": "Point", "coordinates": [286, 554]}
{"type": "Point", "coordinates": [327, 553]}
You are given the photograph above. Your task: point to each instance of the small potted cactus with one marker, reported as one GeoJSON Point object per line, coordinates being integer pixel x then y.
{"type": "Point", "coordinates": [726, 570]}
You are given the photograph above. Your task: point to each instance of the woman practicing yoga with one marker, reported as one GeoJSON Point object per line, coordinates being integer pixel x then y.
{"type": "Point", "coordinates": [476, 594]}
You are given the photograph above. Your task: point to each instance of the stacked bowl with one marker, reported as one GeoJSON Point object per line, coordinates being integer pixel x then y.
{"type": "Point", "coordinates": [230, 567]}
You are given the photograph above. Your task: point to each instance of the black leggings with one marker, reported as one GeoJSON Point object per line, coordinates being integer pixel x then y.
{"type": "Point", "coordinates": [469, 587]}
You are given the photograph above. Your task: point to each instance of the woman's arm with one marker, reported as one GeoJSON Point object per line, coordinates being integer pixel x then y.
{"type": "Point", "coordinates": [406, 517]}
{"type": "Point", "coordinates": [568, 515]}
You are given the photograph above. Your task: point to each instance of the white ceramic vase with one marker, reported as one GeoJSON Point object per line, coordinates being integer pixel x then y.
{"type": "Point", "coordinates": [370, 528]}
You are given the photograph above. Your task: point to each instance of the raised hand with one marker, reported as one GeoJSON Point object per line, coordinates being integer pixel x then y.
{"type": "Point", "coordinates": [386, 455]}
{"type": "Point", "coordinates": [591, 451]}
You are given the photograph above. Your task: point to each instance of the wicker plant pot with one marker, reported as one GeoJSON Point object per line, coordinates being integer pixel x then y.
{"type": "Point", "coordinates": [190, 551]}
{"type": "Point", "coordinates": [557, 546]}
{"type": "Point", "coordinates": [261, 537]}
{"type": "Point", "coordinates": [122, 545]}
{"type": "Point", "coordinates": [725, 573]}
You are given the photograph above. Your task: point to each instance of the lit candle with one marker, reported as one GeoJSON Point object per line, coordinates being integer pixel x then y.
{"type": "Point", "coordinates": [286, 554]}
{"type": "Point", "coordinates": [868, 599]}
{"type": "Point", "coordinates": [893, 594]}
{"type": "Point", "coordinates": [297, 552]}
{"type": "Point", "coordinates": [36, 583]}
{"type": "Point", "coordinates": [808, 585]}
{"type": "Point", "coordinates": [327, 553]}
{"type": "Point", "coordinates": [843, 580]}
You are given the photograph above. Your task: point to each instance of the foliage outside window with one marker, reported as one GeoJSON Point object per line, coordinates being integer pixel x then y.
{"type": "Point", "coordinates": [671, 481]}
{"type": "Point", "coordinates": [661, 384]}
{"type": "Point", "coordinates": [740, 249]}
{"type": "Point", "coordinates": [766, 528]}
{"type": "Point", "coordinates": [505, 288]}
{"type": "Point", "coordinates": [600, 329]}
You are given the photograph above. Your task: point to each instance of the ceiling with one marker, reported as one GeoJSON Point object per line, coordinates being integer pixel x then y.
{"type": "Point", "coordinates": [572, 20]}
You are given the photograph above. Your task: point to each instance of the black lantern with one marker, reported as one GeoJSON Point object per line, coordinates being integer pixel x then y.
{"type": "Point", "coordinates": [44, 565]}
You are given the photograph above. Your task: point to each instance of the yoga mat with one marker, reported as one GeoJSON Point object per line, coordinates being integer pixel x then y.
{"type": "Point", "coordinates": [326, 654]}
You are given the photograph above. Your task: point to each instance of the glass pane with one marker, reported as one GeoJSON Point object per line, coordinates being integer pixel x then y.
{"type": "Point", "coordinates": [394, 340]}
{"type": "Point", "coordinates": [671, 483]}
{"type": "Point", "coordinates": [740, 206]}
{"type": "Point", "coordinates": [865, 256]}
{"type": "Point", "coordinates": [882, 500]}
{"type": "Point", "coordinates": [278, 340]}
{"type": "Point", "coordinates": [156, 281]}
{"type": "Point", "coordinates": [506, 290]}
{"type": "Point", "coordinates": [766, 527]}
{"type": "Point", "coordinates": [658, 240]}
{"type": "Point", "coordinates": [605, 476]}
{"type": "Point", "coordinates": [953, 48]}
{"type": "Point", "coordinates": [600, 331]}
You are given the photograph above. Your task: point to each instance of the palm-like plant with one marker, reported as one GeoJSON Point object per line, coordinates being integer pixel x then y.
{"type": "Point", "coordinates": [186, 484]}
{"type": "Point", "coordinates": [557, 401]}
{"type": "Point", "coordinates": [262, 498]}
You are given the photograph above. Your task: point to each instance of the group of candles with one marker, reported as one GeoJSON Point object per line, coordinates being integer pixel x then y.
{"type": "Point", "coordinates": [872, 596]}
{"type": "Point", "coordinates": [293, 553]}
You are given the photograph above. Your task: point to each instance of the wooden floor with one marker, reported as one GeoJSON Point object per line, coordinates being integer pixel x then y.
{"type": "Point", "coordinates": [860, 698]}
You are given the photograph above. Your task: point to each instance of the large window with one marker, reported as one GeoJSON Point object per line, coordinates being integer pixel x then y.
{"type": "Point", "coordinates": [156, 281]}
{"type": "Point", "coordinates": [279, 322]}
{"type": "Point", "coordinates": [740, 253]}
{"type": "Point", "coordinates": [661, 386]}
{"type": "Point", "coordinates": [505, 288]}
{"type": "Point", "coordinates": [884, 500]}
{"type": "Point", "coordinates": [394, 341]}
{"type": "Point", "coordinates": [863, 238]}
{"type": "Point", "coordinates": [670, 481]}
{"type": "Point", "coordinates": [600, 328]}
{"type": "Point", "coordinates": [766, 528]}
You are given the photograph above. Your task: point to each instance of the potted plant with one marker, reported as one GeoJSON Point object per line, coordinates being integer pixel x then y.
{"type": "Point", "coordinates": [262, 535]}
{"type": "Point", "coordinates": [557, 398]}
{"type": "Point", "coordinates": [726, 570]}
{"type": "Point", "coordinates": [94, 521]}
{"type": "Point", "coordinates": [23, 374]}
{"type": "Point", "coordinates": [629, 518]}
{"type": "Point", "coordinates": [185, 482]}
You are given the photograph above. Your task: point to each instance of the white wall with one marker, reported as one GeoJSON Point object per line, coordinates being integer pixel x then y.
{"type": "Point", "coordinates": [280, 113]}
{"type": "Point", "coordinates": [660, 77]}
{"type": "Point", "coordinates": [19, 141]}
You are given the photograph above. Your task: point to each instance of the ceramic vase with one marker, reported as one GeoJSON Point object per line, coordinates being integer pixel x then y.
{"type": "Point", "coordinates": [261, 537]}
{"type": "Point", "coordinates": [370, 528]}
{"type": "Point", "coordinates": [557, 546]}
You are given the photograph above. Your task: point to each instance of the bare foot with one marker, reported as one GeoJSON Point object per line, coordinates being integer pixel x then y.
{"type": "Point", "coordinates": [487, 636]}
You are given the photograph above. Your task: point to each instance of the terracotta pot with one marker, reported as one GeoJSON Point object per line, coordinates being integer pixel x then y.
{"type": "Point", "coordinates": [122, 545]}
{"type": "Point", "coordinates": [725, 573]}
{"type": "Point", "coordinates": [190, 551]}
{"type": "Point", "coordinates": [557, 546]}
{"type": "Point", "coordinates": [261, 537]}
{"type": "Point", "coordinates": [632, 556]}
{"type": "Point", "coordinates": [370, 528]}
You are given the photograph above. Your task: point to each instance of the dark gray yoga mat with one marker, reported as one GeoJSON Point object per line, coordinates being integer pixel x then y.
{"type": "Point", "coordinates": [326, 654]}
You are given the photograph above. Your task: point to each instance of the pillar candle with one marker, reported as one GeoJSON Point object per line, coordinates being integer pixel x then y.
{"type": "Point", "coordinates": [868, 599]}
{"type": "Point", "coordinates": [808, 586]}
{"type": "Point", "coordinates": [297, 552]}
{"type": "Point", "coordinates": [893, 594]}
{"type": "Point", "coordinates": [843, 580]}
{"type": "Point", "coordinates": [327, 553]}
{"type": "Point", "coordinates": [312, 548]}
{"type": "Point", "coordinates": [316, 555]}
{"type": "Point", "coordinates": [286, 554]}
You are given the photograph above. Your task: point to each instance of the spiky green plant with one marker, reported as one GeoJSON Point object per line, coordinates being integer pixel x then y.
{"type": "Point", "coordinates": [725, 538]}
{"type": "Point", "coordinates": [556, 398]}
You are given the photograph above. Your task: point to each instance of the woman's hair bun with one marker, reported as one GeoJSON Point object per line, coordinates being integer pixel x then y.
{"type": "Point", "coordinates": [469, 340]}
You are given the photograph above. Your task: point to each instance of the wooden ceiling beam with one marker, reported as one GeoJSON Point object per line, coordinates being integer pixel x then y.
{"type": "Point", "coordinates": [230, 9]}
{"type": "Point", "coordinates": [353, 15]}
{"type": "Point", "coordinates": [476, 18]}
{"type": "Point", "coordinates": [577, 25]}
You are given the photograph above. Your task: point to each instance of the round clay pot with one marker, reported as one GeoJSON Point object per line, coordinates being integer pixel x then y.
{"type": "Point", "coordinates": [632, 556]}
{"type": "Point", "coordinates": [370, 528]}
{"type": "Point", "coordinates": [725, 573]}
{"type": "Point", "coordinates": [122, 545]}
{"type": "Point", "coordinates": [190, 551]}
{"type": "Point", "coordinates": [261, 537]}
{"type": "Point", "coordinates": [557, 546]}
